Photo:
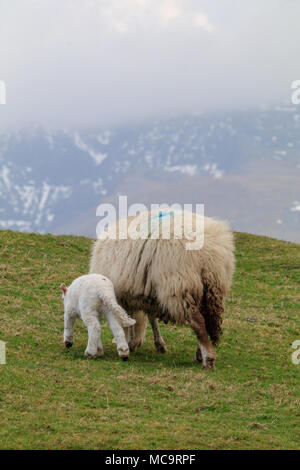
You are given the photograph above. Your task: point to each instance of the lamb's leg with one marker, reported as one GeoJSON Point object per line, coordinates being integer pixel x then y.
{"type": "Point", "coordinates": [204, 350]}
{"type": "Point", "coordinates": [69, 329]}
{"type": "Point", "coordinates": [158, 340]}
{"type": "Point", "coordinates": [99, 347]}
{"type": "Point", "coordinates": [94, 345]}
{"type": "Point", "coordinates": [129, 335]}
{"type": "Point", "coordinates": [118, 332]}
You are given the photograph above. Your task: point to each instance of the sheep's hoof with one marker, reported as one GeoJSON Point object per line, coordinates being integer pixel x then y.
{"type": "Point", "coordinates": [100, 352]}
{"type": "Point", "coordinates": [125, 358]}
{"type": "Point", "coordinates": [198, 357]}
{"type": "Point", "coordinates": [133, 345]}
{"type": "Point", "coordinates": [161, 348]}
{"type": "Point", "coordinates": [68, 344]}
{"type": "Point", "coordinates": [210, 363]}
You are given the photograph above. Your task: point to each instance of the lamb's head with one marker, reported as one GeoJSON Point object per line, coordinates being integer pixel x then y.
{"type": "Point", "coordinates": [64, 295]}
{"type": "Point", "coordinates": [64, 290]}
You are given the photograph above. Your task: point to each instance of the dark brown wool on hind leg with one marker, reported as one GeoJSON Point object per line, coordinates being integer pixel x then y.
{"type": "Point", "coordinates": [212, 309]}
{"type": "Point", "coordinates": [204, 352]}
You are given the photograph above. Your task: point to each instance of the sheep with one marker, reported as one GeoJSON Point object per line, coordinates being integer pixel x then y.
{"type": "Point", "coordinates": [86, 298]}
{"type": "Point", "coordinates": [161, 279]}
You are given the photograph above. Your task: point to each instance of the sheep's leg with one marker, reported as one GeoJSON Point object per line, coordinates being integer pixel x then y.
{"type": "Point", "coordinates": [94, 345]}
{"type": "Point", "coordinates": [158, 340]}
{"type": "Point", "coordinates": [139, 330]}
{"type": "Point", "coordinates": [129, 334]}
{"type": "Point", "coordinates": [204, 350]}
{"type": "Point", "coordinates": [118, 332]}
{"type": "Point", "coordinates": [69, 329]}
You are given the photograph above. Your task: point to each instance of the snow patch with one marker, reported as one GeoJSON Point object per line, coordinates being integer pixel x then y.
{"type": "Point", "coordinates": [296, 206]}
{"type": "Point", "coordinates": [22, 225]}
{"type": "Point", "coordinates": [213, 170]}
{"type": "Point", "coordinates": [185, 169]}
{"type": "Point", "coordinates": [97, 157]}
{"type": "Point", "coordinates": [104, 137]}
{"type": "Point", "coordinates": [149, 160]}
{"type": "Point", "coordinates": [4, 175]}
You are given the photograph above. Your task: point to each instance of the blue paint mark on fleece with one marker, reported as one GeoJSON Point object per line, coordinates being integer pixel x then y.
{"type": "Point", "coordinates": [161, 215]}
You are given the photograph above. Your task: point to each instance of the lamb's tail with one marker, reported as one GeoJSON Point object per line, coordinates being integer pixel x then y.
{"type": "Point", "coordinates": [117, 310]}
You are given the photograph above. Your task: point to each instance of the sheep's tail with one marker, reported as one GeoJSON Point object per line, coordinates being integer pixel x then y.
{"type": "Point", "coordinates": [212, 308]}
{"type": "Point", "coordinates": [119, 313]}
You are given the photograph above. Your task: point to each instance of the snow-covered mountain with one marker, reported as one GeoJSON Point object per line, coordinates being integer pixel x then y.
{"type": "Point", "coordinates": [52, 181]}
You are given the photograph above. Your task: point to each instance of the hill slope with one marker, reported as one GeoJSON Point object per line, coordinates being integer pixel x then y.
{"type": "Point", "coordinates": [54, 398]}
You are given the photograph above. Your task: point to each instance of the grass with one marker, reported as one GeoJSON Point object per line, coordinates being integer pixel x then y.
{"type": "Point", "coordinates": [53, 398]}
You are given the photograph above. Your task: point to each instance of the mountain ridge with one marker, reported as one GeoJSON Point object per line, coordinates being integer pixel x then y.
{"type": "Point", "coordinates": [50, 178]}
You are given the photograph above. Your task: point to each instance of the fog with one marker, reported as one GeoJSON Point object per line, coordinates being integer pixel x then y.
{"type": "Point", "coordinates": [74, 63]}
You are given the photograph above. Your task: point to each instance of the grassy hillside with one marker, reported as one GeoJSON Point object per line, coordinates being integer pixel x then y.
{"type": "Point", "coordinates": [51, 397]}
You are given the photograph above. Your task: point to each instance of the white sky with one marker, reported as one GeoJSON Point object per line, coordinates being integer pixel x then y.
{"type": "Point", "coordinates": [105, 62]}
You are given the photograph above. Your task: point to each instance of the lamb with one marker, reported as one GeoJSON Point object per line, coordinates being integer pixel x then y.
{"type": "Point", "coordinates": [160, 279]}
{"type": "Point", "coordinates": [86, 298]}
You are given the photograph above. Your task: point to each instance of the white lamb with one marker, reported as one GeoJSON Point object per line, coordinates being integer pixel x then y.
{"type": "Point", "coordinates": [87, 298]}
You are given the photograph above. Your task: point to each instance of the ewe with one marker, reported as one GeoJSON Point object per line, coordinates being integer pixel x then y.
{"type": "Point", "coordinates": [162, 279]}
{"type": "Point", "coordinates": [86, 298]}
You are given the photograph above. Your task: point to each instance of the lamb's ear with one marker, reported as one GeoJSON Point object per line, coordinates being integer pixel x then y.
{"type": "Point", "coordinates": [63, 288]}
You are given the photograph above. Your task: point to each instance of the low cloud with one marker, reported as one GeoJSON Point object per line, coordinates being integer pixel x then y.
{"type": "Point", "coordinates": [96, 63]}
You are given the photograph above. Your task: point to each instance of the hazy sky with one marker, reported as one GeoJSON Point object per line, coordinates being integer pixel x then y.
{"type": "Point", "coordinates": [93, 62]}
